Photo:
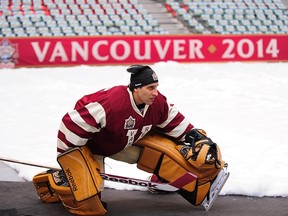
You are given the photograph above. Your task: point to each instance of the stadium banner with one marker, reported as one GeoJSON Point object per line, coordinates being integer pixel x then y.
{"type": "Point", "coordinates": [113, 50]}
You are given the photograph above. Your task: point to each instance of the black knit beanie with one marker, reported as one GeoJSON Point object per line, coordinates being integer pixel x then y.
{"type": "Point", "coordinates": [141, 75]}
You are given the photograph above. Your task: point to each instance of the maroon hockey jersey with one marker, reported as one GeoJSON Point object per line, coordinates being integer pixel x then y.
{"type": "Point", "coordinates": [109, 120]}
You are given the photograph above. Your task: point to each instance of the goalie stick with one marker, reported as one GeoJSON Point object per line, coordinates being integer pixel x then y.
{"type": "Point", "coordinates": [171, 187]}
{"type": "Point", "coordinates": [27, 163]}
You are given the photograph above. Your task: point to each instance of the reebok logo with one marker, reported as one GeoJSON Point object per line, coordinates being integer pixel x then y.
{"type": "Point", "coordinates": [71, 180]}
{"type": "Point", "coordinates": [128, 181]}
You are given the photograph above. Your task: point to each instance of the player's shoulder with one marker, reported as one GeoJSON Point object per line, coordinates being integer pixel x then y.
{"type": "Point", "coordinates": [103, 95]}
{"type": "Point", "coordinates": [116, 91]}
{"type": "Point", "coordinates": [119, 88]}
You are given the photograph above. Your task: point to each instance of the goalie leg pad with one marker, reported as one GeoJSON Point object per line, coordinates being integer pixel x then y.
{"type": "Point", "coordinates": [91, 206]}
{"type": "Point", "coordinates": [81, 171]}
{"type": "Point", "coordinates": [198, 195]}
{"type": "Point", "coordinates": [49, 192]}
{"type": "Point", "coordinates": [161, 156]}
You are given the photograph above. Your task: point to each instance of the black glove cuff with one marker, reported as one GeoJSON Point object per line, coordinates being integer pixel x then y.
{"type": "Point", "coordinates": [193, 136]}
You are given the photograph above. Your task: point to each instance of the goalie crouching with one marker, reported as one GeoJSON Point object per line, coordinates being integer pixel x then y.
{"type": "Point", "coordinates": [78, 185]}
{"type": "Point", "coordinates": [120, 123]}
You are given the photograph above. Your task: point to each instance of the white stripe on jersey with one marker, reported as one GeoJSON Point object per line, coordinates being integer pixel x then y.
{"type": "Point", "coordinates": [72, 137]}
{"type": "Point", "coordinates": [78, 120]}
{"type": "Point", "coordinates": [171, 115]}
{"type": "Point", "coordinates": [98, 113]}
{"type": "Point", "coordinates": [178, 131]}
{"type": "Point", "coordinates": [62, 145]}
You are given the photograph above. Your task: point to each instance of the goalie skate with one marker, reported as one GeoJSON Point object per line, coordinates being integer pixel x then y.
{"type": "Point", "coordinates": [216, 187]}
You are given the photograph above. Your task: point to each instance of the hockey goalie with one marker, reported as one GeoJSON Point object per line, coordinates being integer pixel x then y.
{"type": "Point", "coordinates": [79, 184]}
{"type": "Point", "coordinates": [133, 124]}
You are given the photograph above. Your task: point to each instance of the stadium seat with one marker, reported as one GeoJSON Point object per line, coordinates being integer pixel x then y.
{"type": "Point", "coordinates": [136, 29]}
{"type": "Point", "coordinates": [118, 33]}
{"type": "Point", "coordinates": [6, 31]}
{"type": "Point", "coordinates": [102, 29]}
{"type": "Point", "coordinates": [218, 29]}
{"type": "Point", "coordinates": [113, 29]}
{"type": "Point", "coordinates": [245, 22]}
{"type": "Point", "coordinates": [67, 30]}
{"type": "Point", "coordinates": [252, 29]}
{"type": "Point", "coordinates": [273, 28]}
{"type": "Point", "coordinates": [26, 23]}
{"type": "Point", "coordinates": [107, 23]}
{"type": "Point", "coordinates": [241, 28]}
{"type": "Point", "coordinates": [199, 28]}
{"type": "Point", "coordinates": [256, 22]}
{"type": "Point", "coordinates": [147, 28]}
{"type": "Point", "coordinates": [96, 23]}
{"type": "Point", "coordinates": [141, 22]}
{"type": "Point", "coordinates": [263, 29]}
{"type": "Point", "coordinates": [229, 28]}
{"type": "Point", "coordinates": [55, 30]}
{"type": "Point", "coordinates": [125, 28]}
{"type": "Point", "coordinates": [211, 23]}
{"type": "Point", "coordinates": [78, 29]}
{"type": "Point", "coordinates": [119, 23]}
{"type": "Point", "coordinates": [130, 22]}
{"type": "Point", "coordinates": [90, 29]}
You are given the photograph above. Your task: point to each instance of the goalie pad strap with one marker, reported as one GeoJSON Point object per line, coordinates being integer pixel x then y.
{"type": "Point", "coordinates": [81, 171]}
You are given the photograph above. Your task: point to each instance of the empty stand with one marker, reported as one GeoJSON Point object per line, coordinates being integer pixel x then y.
{"type": "Point", "coordinates": [25, 18]}
{"type": "Point", "coordinates": [75, 17]}
{"type": "Point", "coordinates": [231, 16]}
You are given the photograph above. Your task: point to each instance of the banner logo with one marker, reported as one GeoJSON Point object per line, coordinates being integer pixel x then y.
{"type": "Point", "coordinates": [8, 54]}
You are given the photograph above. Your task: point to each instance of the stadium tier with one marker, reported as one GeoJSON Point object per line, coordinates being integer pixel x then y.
{"type": "Point", "coordinates": [231, 16]}
{"type": "Point", "coordinates": [26, 18]}
{"type": "Point", "coordinates": [20, 18]}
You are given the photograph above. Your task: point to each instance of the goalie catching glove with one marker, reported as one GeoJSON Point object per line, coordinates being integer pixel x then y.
{"type": "Point", "coordinates": [200, 150]}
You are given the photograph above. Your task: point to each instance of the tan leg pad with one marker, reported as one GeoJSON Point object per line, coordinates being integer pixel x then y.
{"type": "Point", "coordinates": [81, 171]}
{"type": "Point", "coordinates": [91, 206]}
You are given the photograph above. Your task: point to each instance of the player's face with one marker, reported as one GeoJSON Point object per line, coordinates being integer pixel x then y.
{"type": "Point", "coordinates": [146, 94]}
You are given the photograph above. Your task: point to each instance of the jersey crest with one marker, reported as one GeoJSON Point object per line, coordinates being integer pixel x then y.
{"type": "Point", "coordinates": [129, 123]}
